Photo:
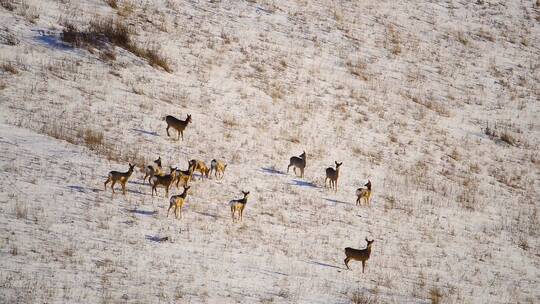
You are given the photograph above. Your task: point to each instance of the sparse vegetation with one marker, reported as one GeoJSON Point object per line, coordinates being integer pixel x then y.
{"type": "Point", "coordinates": [9, 67]}
{"type": "Point", "coordinates": [435, 295]}
{"type": "Point", "coordinates": [359, 297]}
{"type": "Point", "coordinates": [104, 33]}
{"type": "Point", "coordinates": [112, 3]}
{"type": "Point", "coordinates": [8, 4]}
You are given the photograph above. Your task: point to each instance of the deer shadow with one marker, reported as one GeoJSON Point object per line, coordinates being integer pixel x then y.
{"type": "Point", "coordinates": [324, 264]}
{"type": "Point", "coordinates": [272, 171]}
{"type": "Point", "coordinates": [214, 216]}
{"type": "Point", "coordinates": [156, 239]}
{"type": "Point", "coordinates": [337, 201]}
{"type": "Point", "coordinates": [146, 132]}
{"type": "Point", "coordinates": [301, 183]}
{"type": "Point", "coordinates": [142, 212]}
{"type": "Point", "coordinates": [81, 189]}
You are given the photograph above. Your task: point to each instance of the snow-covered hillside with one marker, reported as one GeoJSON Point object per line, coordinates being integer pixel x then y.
{"type": "Point", "coordinates": [435, 102]}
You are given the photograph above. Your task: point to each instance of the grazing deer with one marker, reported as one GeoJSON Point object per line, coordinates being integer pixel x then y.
{"type": "Point", "coordinates": [150, 170]}
{"type": "Point", "coordinates": [298, 162]}
{"type": "Point", "coordinates": [122, 177]}
{"type": "Point", "coordinates": [184, 176]}
{"type": "Point", "coordinates": [164, 181]}
{"type": "Point", "coordinates": [333, 175]}
{"type": "Point", "coordinates": [177, 124]}
{"type": "Point", "coordinates": [237, 207]}
{"type": "Point", "coordinates": [218, 167]}
{"type": "Point", "coordinates": [201, 167]}
{"type": "Point", "coordinates": [358, 255]}
{"type": "Point", "coordinates": [363, 193]}
{"type": "Point", "coordinates": [177, 201]}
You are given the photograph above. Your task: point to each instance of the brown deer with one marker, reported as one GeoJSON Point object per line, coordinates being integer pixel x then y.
{"type": "Point", "coordinates": [184, 176]}
{"type": "Point", "coordinates": [358, 255]}
{"type": "Point", "coordinates": [122, 177]}
{"type": "Point", "coordinates": [298, 162]}
{"type": "Point", "coordinates": [218, 167]}
{"type": "Point", "coordinates": [163, 181]}
{"type": "Point", "coordinates": [177, 201]}
{"type": "Point", "coordinates": [201, 167]}
{"type": "Point", "coordinates": [363, 193]}
{"type": "Point", "coordinates": [237, 207]}
{"type": "Point", "coordinates": [152, 170]}
{"type": "Point", "coordinates": [333, 175]}
{"type": "Point", "coordinates": [177, 124]}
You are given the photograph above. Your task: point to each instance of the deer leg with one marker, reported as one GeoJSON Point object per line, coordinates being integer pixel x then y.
{"type": "Point", "coordinates": [288, 168]}
{"type": "Point", "coordinates": [363, 265]}
{"type": "Point", "coordinates": [168, 130]}
{"type": "Point", "coordinates": [347, 262]}
{"type": "Point", "coordinates": [154, 189]}
{"type": "Point", "coordinates": [168, 210]}
{"type": "Point", "coordinates": [123, 188]}
{"type": "Point", "coordinates": [112, 185]}
{"type": "Point", "coordinates": [106, 182]}
{"type": "Point", "coordinates": [302, 172]}
{"type": "Point", "coordinates": [182, 132]}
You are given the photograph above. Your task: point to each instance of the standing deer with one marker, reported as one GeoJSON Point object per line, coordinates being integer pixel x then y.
{"type": "Point", "coordinates": [201, 167]}
{"type": "Point", "coordinates": [177, 124]}
{"type": "Point", "coordinates": [363, 193]}
{"type": "Point", "coordinates": [333, 175]}
{"type": "Point", "coordinates": [122, 177]}
{"type": "Point", "coordinates": [184, 176]}
{"type": "Point", "coordinates": [358, 254]}
{"type": "Point", "coordinates": [177, 201]}
{"type": "Point", "coordinates": [164, 181]}
{"type": "Point", "coordinates": [237, 207]}
{"type": "Point", "coordinates": [151, 170]}
{"type": "Point", "coordinates": [298, 162]}
{"type": "Point", "coordinates": [218, 167]}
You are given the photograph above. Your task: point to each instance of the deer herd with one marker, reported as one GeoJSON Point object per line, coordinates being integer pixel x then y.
{"type": "Point", "coordinates": [156, 177]}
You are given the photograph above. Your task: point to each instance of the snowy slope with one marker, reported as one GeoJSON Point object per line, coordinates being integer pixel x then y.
{"type": "Point", "coordinates": [401, 93]}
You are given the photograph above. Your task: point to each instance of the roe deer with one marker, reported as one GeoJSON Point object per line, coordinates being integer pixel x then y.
{"type": "Point", "coordinates": [333, 175]}
{"type": "Point", "coordinates": [150, 170]}
{"type": "Point", "coordinates": [122, 177]}
{"type": "Point", "coordinates": [177, 201]}
{"type": "Point", "coordinates": [201, 167]}
{"type": "Point", "coordinates": [358, 255]}
{"type": "Point", "coordinates": [184, 176]}
{"type": "Point", "coordinates": [298, 162]}
{"type": "Point", "coordinates": [177, 124]}
{"type": "Point", "coordinates": [237, 207]}
{"type": "Point", "coordinates": [218, 167]}
{"type": "Point", "coordinates": [164, 181]}
{"type": "Point", "coordinates": [363, 193]}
